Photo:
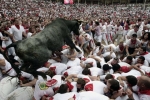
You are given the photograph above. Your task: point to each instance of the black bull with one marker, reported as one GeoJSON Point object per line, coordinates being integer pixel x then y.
{"type": "Point", "coordinates": [36, 50]}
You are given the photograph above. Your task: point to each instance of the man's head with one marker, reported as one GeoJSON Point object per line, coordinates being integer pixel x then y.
{"type": "Point", "coordinates": [113, 85]}
{"type": "Point", "coordinates": [63, 89]}
{"type": "Point", "coordinates": [114, 61]}
{"type": "Point", "coordinates": [136, 28]}
{"type": "Point", "coordinates": [134, 36]}
{"type": "Point", "coordinates": [129, 59]}
{"type": "Point", "coordinates": [131, 80]}
{"type": "Point", "coordinates": [86, 71]}
{"type": "Point", "coordinates": [142, 50]}
{"type": "Point", "coordinates": [118, 23]}
{"type": "Point", "coordinates": [116, 67]}
{"type": "Point", "coordinates": [97, 23]}
{"type": "Point", "coordinates": [106, 68]}
{"type": "Point", "coordinates": [108, 76]}
{"type": "Point", "coordinates": [144, 83]}
{"type": "Point", "coordinates": [80, 84]}
{"type": "Point", "coordinates": [141, 60]}
{"type": "Point", "coordinates": [16, 21]}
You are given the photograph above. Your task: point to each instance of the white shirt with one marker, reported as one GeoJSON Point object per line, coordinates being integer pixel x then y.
{"type": "Point", "coordinates": [109, 28]}
{"type": "Point", "coordinates": [38, 93]}
{"type": "Point", "coordinates": [96, 71]}
{"type": "Point", "coordinates": [29, 34]}
{"type": "Point", "coordinates": [119, 30]}
{"type": "Point", "coordinates": [103, 30]}
{"type": "Point", "coordinates": [129, 44]}
{"type": "Point", "coordinates": [90, 95]}
{"type": "Point", "coordinates": [118, 49]}
{"type": "Point", "coordinates": [131, 32]}
{"type": "Point", "coordinates": [17, 33]}
{"type": "Point", "coordinates": [96, 86]}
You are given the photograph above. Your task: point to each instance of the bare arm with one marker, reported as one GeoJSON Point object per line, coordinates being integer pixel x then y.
{"type": "Point", "coordinates": [24, 34]}
{"type": "Point", "coordinates": [100, 51]}
{"type": "Point", "coordinates": [73, 55]}
{"type": "Point", "coordinates": [32, 83]}
{"type": "Point", "coordinates": [71, 76]}
{"type": "Point", "coordinates": [136, 67]}
{"type": "Point", "coordinates": [127, 50]}
{"type": "Point", "coordinates": [94, 57]}
{"type": "Point", "coordinates": [2, 62]}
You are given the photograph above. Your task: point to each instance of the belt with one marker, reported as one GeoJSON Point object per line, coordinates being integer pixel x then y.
{"type": "Point", "coordinates": [8, 70]}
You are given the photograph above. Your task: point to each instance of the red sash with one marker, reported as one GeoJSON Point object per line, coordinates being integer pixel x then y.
{"type": "Point", "coordinates": [145, 53]}
{"type": "Point", "coordinates": [133, 41]}
{"type": "Point", "coordinates": [17, 26]}
{"type": "Point", "coordinates": [121, 48]}
{"type": "Point", "coordinates": [147, 92]}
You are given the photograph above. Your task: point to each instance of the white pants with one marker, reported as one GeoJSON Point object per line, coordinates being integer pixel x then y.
{"type": "Point", "coordinates": [104, 37]}
{"type": "Point", "coordinates": [7, 85]}
{"type": "Point", "coordinates": [109, 37]}
{"type": "Point", "coordinates": [98, 38]}
{"type": "Point", "coordinates": [22, 93]}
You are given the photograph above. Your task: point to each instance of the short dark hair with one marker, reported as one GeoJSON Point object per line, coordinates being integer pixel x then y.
{"type": "Point", "coordinates": [109, 76]}
{"type": "Point", "coordinates": [114, 84]}
{"type": "Point", "coordinates": [107, 58]}
{"type": "Point", "coordinates": [88, 65]}
{"type": "Point", "coordinates": [129, 58]}
{"type": "Point", "coordinates": [142, 58]}
{"type": "Point", "coordinates": [134, 35]}
{"type": "Point", "coordinates": [106, 67]}
{"type": "Point", "coordinates": [98, 64]}
{"type": "Point", "coordinates": [136, 26]}
{"type": "Point", "coordinates": [143, 48]}
{"type": "Point", "coordinates": [116, 67]}
{"type": "Point", "coordinates": [86, 71]}
{"type": "Point", "coordinates": [63, 88]}
{"type": "Point", "coordinates": [97, 23]}
{"type": "Point", "coordinates": [132, 80]}
{"type": "Point", "coordinates": [98, 44]}
{"type": "Point", "coordinates": [50, 73]}
{"type": "Point", "coordinates": [81, 82]}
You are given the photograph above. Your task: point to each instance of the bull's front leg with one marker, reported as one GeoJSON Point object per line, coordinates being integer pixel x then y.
{"type": "Point", "coordinates": [71, 44]}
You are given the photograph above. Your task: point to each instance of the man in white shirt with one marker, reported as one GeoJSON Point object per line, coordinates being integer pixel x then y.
{"type": "Point", "coordinates": [18, 31]}
{"type": "Point", "coordinates": [119, 33]}
{"type": "Point", "coordinates": [144, 87]}
{"type": "Point", "coordinates": [134, 31]}
{"type": "Point", "coordinates": [97, 29]}
{"type": "Point", "coordinates": [109, 31]}
{"type": "Point", "coordinates": [142, 52]}
{"type": "Point", "coordinates": [132, 44]}
{"type": "Point", "coordinates": [104, 33]}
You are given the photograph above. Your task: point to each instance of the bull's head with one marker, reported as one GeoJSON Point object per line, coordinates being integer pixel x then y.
{"type": "Point", "coordinates": [76, 27]}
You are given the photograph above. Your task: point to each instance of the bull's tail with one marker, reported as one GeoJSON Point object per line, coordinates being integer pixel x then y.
{"type": "Point", "coordinates": [8, 59]}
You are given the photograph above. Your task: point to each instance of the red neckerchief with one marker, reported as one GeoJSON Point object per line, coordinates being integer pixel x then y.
{"type": "Point", "coordinates": [70, 86]}
{"type": "Point", "coordinates": [53, 69]}
{"type": "Point", "coordinates": [17, 26]}
{"type": "Point", "coordinates": [133, 41]}
{"type": "Point", "coordinates": [145, 53]}
{"type": "Point", "coordinates": [89, 87]}
{"type": "Point", "coordinates": [7, 28]}
{"type": "Point", "coordinates": [121, 47]}
{"type": "Point", "coordinates": [147, 92]}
